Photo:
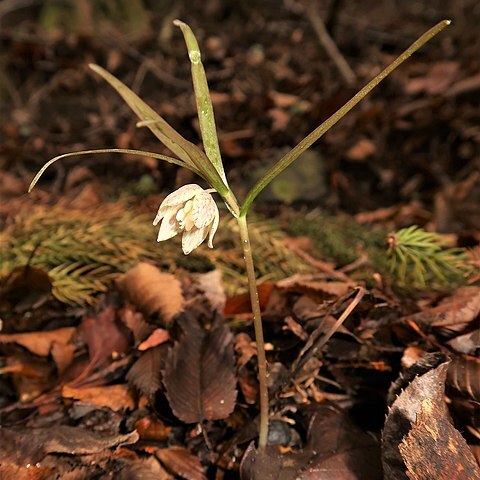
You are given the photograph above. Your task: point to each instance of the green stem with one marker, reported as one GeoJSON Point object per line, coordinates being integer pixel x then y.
{"type": "Point", "coordinates": [257, 321]}
{"type": "Point", "coordinates": [293, 154]}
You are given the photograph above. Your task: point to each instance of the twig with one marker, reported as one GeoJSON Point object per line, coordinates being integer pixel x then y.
{"type": "Point", "coordinates": [322, 266]}
{"type": "Point", "coordinates": [330, 47]}
{"type": "Point", "coordinates": [332, 14]}
{"type": "Point", "coordinates": [318, 339]}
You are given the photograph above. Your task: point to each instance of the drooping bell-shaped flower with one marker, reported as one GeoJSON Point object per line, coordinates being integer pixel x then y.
{"type": "Point", "coordinates": [190, 210]}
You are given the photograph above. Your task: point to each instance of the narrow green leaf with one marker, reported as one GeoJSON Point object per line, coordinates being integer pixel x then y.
{"type": "Point", "coordinates": [112, 150]}
{"type": "Point", "coordinates": [204, 102]}
{"type": "Point", "coordinates": [185, 150]}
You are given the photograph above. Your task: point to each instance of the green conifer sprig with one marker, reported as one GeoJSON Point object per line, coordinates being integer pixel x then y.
{"type": "Point", "coordinates": [83, 251]}
{"type": "Point", "coordinates": [418, 258]}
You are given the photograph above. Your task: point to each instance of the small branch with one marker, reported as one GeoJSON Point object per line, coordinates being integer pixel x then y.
{"type": "Point", "coordinates": [330, 47]}
{"type": "Point", "coordinates": [319, 338]}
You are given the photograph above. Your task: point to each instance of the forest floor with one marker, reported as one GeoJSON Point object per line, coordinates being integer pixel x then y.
{"type": "Point", "coordinates": [123, 358]}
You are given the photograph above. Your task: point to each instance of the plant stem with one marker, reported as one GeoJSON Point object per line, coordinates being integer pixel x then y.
{"type": "Point", "coordinates": [257, 321]}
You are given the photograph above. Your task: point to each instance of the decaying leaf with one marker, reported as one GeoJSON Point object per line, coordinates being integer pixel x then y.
{"type": "Point", "coordinates": [26, 287]}
{"type": "Point", "coordinates": [240, 303]}
{"type": "Point", "coordinates": [211, 285]}
{"type": "Point", "coordinates": [31, 445]}
{"type": "Point", "coordinates": [417, 394]}
{"type": "Point", "coordinates": [152, 291]}
{"type": "Point", "coordinates": [336, 450]}
{"type": "Point", "coordinates": [464, 375]}
{"type": "Point", "coordinates": [104, 339]}
{"type": "Point", "coordinates": [314, 285]}
{"type": "Point", "coordinates": [40, 343]}
{"type": "Point", "coordinates": [78, 441]}
{"type": "Point", "coordinates": [435, 80]}
{"type": "Point", "coordinates": [115, 397]}
{"type": "Point", "coordinates": [150, 428]}
{"type": "Point", "coordinates": [433, 448]}
{"type": "Point", "coordinates": [135, 322]}
{"type": "Point", "coordinates": [454, 313]}
{"type": "Point", "coordinates": [180, 461]}
{"type": "Point", "coordinates": [157, 337]}
{"type": "Point", "coordinates": [468, 343]}
{"type": "Point", "coordinates": [199, 374]}
{"type": "Point", "coordinates": [146, 372]}
{"type": "Point", "coordinates": [144, 469]}
{"type": "Point", "coordinates": [361, 150]}
{"type": "Point", "coordinates": [245, 348]}
{"type": "Point", "coordinates": [25, 472]}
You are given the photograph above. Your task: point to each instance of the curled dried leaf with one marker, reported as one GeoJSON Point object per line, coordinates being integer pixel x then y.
{"type": "Point", "coordinates": [152, 291]}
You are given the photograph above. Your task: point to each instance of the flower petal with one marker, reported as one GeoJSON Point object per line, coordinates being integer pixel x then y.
{"type": "Point", "coordinates": [168, 228]}
{"type": "Point", "coordinates": [204, 208]}
{"type": "Point", "coordinates": [165, 212]}
{"type": "Point", "coordinates": [182, 195]}
{"type": "Point", "coordinates": [192, 239]}
{"type": "Point", "coordinates": [213, 228]}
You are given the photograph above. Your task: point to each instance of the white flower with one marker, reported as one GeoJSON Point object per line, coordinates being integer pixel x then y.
{"type": "Point", "coordinates": [190, 210]}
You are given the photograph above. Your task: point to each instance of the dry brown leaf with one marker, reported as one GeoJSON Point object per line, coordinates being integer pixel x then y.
{"type": "Point", "coordinates": [436, 80]}
{"type": "Point", "coordinates": [180, 461]}
{"type": "Point", "coordinates": [143, 469]}
{"type": "Point", "coordinates": [419, 441]}
{"type": "Point", "coordinates": [280, 119]}
{"type": "Point", "coordinates": [405, 397]}
{"type": "Point", "coordinates": [104, 338]}
{"type": "Point", "coordinates": [157, 337]}
{"type": "Point", "coordinates": [241, 303]}
{"type": "Point", "coordinates": [115, 397]}
{"type": "Point", "coordinates": [62, 355]}
{"type": "Point", "coordinates": [434, 449]}
{"type": "Point", "coordinates": [469, 343]}
{"type": "Point", "coordinates": [283, 100]}
{"type": "Point", "coordinates": [464, 376]}
{"type": "Point", "coordinates": [211, 285]}
{"type": "Point", "coordinates": [311, 284]}
{"type": "Point", "coordinates": [146, 372]}
{"type": "Point", "coordinates": [135, 322]}
{"type": "Point", "coordinates": [454, 313]}
{"type": "Point", "coordinates": [40, 343]}
{"type": "Point", "coordinates": [150, 428]}
{"type": "Point", "coordinates": [244, 348]}
{"type": "Point", "coordinates": [248, 383]}
{"type": "Point", "coordinates": [199, 374]}
{"type": "Point", "coordinates": [10, 471]}
{"type": "Point", "coordinates": [152, 291]}
{"type": "Point", "coordinates": [31, 445]}
{"type": "Point", "coordinates": [26, 287]}
{"type": "Point", "coordinates": [361, 150]}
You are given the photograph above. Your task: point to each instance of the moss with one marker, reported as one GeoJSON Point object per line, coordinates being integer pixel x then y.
{"type": "Point", "coordinates": [341, 239]}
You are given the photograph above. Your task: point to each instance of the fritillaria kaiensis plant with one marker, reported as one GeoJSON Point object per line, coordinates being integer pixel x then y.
{"type": "Point", "coordinates": [191, 210]}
